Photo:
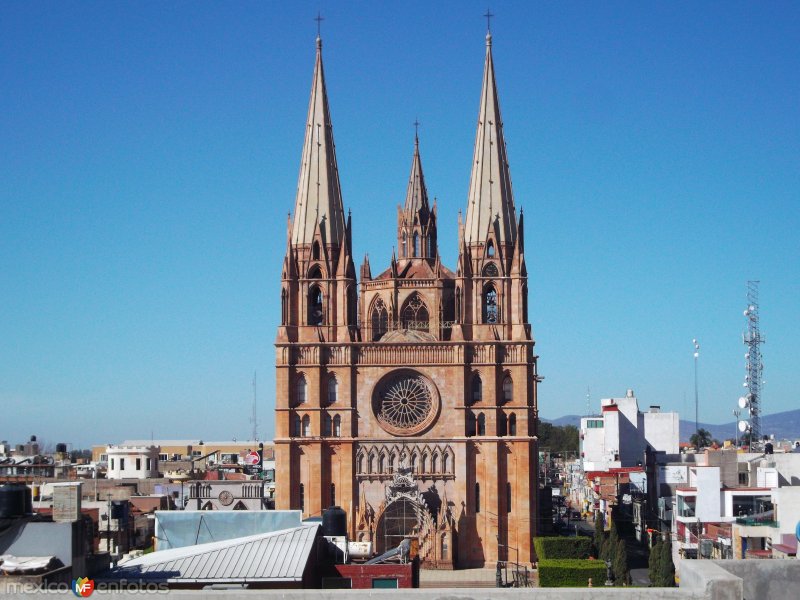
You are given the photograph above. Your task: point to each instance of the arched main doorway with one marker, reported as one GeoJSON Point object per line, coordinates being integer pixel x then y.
{"type": "Point", "coordinates": [399, 521]}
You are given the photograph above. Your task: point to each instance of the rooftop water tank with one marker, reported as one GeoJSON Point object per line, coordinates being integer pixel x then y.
{"type": "Point", "coordinates": [12, 500]}
{"type": "Point", "coordinates": [334, 521]}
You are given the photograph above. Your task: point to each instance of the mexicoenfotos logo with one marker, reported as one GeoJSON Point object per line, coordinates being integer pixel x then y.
{"type": "Point", "coordinates": [83, 587]}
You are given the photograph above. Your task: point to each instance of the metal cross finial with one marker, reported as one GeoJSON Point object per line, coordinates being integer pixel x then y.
{"type": "Point", "coordinates": [416, 128]}
{"type": "Point", "coordinates": [489, 14]}
{"type": "Point", "coordinates": [319, 19]}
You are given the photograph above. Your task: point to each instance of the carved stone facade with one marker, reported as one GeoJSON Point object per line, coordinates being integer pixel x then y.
{"type": "Point", "coordinates": [410, 400]}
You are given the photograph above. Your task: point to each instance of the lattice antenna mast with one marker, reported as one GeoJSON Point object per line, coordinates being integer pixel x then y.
{"type": "Point", "coordinates": [254, 419]}
{"type": "Point", "coordinates": [754, 366]}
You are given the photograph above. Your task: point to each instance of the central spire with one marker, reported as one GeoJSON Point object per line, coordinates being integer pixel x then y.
{"type": "Point", "coordinates": [319, 197]}
{"type": "Point", "coordinates": [490, 204]}
{"type": "Point", "coordinates": [416, 223]}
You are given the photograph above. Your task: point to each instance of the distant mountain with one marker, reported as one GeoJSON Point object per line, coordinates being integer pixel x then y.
{"type": "Point", "coordinates": [783, 425]}
{"type": "Point", "coordinates": [568, 420]}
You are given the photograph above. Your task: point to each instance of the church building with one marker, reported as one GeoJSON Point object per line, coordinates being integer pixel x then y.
{"type": "Point", "coordinates": [408, 395]}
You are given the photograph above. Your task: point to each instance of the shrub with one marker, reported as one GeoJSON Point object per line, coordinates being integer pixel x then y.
{"type": "Point", "coordinates": [562, 547]}
{"type": "Point", "coordinates": [570, 572]}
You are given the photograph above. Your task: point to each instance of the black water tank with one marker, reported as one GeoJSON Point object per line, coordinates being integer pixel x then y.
{"type": "Point", "coordinates": [27, 498]}
{"type": "Point", "coordinates": [12, 501]}
{"type": "Point", "coordinates": [61, 448]}
{"type": "Point", "coordinates": [334, 521]}
{"type": "Point", "coordinates": [119, 510]}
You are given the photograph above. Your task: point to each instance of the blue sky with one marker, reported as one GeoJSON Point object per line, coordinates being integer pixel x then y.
{"type": "Point", "coordinates": [149, 154]}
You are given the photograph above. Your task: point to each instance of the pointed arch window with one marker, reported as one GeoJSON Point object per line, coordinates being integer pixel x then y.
{"type": "Point", "coordinates": [508, 389]}
{"type": "Point", "coordinates": [435, 464]}
{"type": "Point", "coordinates": [381, 464]}
{"type": "Point", "coordinates": [477, 497]}
{"type": "Point", "coordinates": [391, 463]}
{"type": "Point", "coordinates": [481, 424]}
{"type": "Point", "coordinates": [306, 427]}
{"type": "Point", "coordinates": [501, 424]}
{"type": "Point", "coordinates": [416, 245]}
{"type": "Point", "coordinates": [315, 251]}
{"type": "Point", "coordinates": [302, 390]}
{"type": "Point", "coordinates": [413, 463]}
{"type": "Point", "coordinates": [477, 388]}
{"type": "Point", "coordinates": [302, 494]}
{"type": "Point", "coordinates": [379, 319]}
{"type": "Point", "coordinates": [429, 245]}
{"type": "Point", "coordinates": [459, 301]}
{"type": "Point", "coordinates": [424, 464]}
{"type": "Point", "coordinates": [415, 314]}
{"type": "Point", "coordinates": [512, 424]}
{"type": "Point", "coordinates": [328, 426]}
{"type": "Point", "coordinates": [296, 425]}
{"type": "Point", "coordinates": [403, 248]}
{"type": "Point", "coordinates": [315, 272]}
{"type": "Point", "coordinates": [490, 249]}
{"type": "Point", "coordinates": [445, 463]}
{"type": "Point", "coordinates": [508, 497]}
{"type": "Point", "coordinates": [490, 309]}
{"type": "Point", "coordinates": [337, 426]}
{"type": "Point", "coordinates": [284, 307]}
{"type": "Point", "coordinates": [333, 389]}
{"type": "Point", "coordinates": [315, 306]}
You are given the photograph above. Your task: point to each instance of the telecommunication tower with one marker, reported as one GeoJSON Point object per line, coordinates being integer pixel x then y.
{"type": "Point", "coordinates": [253, 418]}
{"type": "Point", "coordinates": [754, 368]}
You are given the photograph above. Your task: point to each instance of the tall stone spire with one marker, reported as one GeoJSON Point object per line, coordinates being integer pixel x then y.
{"type": "Point", "coordinates": [490, 204]}
{"type": "Point", "coordinates": [416, 194]}
{"type": "Point", "coordinates": [416, 223]}
{"type": "Point", "coordinates": [319, 196]}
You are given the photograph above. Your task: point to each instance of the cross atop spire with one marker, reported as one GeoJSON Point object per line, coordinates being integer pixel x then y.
{"type": "Point", "coordinates": [319, 19]}
{"type": "Point", "coordinates": [416, 130]}
{"type": "Point", "coordinates": [489, 14]}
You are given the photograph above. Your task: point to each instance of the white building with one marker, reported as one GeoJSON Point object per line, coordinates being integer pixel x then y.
{"type": "Point", "coordinates": [619, 436]}
{"type": "Point", "coordinates": [132, 462]}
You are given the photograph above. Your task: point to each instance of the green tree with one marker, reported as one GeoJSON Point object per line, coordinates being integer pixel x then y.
{"type": "Point", "coordinates": [599, 535]}
{"type": "Point", "coordinates": [654, 562]}
{"type": "Point", "coordinates": [620, 566]}
{"type": "Point", "coordinates": [558, 439]}
{"type": "Point", "coordinates": [666, 571]}
{"type": "Point", "coordinates": [701, 439]}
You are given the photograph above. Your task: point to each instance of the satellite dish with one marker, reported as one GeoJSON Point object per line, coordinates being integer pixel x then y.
{"type": "Point", "coordinates": [743, 426]}
{"type": "Point", "coordinates": [742, 402]}
{"type": "Point", "coordinates": [744, 384]}
{"type": "Point", "coordinates": [745, 313]}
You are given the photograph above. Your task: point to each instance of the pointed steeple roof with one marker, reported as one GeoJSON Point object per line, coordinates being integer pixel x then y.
{"type": "Point", "coordinates": [490, 196]}
{"type": "Point", "coordinates": [417, 193]}
{"type": "Point", "coordinates": [319, 196]}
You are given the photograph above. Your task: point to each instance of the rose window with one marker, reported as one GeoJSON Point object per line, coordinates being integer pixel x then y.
{"type": "Point", "coordinates": [405, 403]}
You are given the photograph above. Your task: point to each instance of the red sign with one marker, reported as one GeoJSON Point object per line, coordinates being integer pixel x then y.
{"type": "Point", "coordinates": [252, 458]}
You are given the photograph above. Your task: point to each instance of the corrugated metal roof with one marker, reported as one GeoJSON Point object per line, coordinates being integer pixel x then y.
{"type": "Point", "coordinates": [277, 556]}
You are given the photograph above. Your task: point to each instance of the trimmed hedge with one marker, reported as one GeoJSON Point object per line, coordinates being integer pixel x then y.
{"type": "Point", "coordinates": [562, 547]}
{"type": "Point", "coordinates": [570, 572]}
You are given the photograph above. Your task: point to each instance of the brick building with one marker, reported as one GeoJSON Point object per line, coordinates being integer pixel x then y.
{"type": "Point", "coordinates": [410, 400]}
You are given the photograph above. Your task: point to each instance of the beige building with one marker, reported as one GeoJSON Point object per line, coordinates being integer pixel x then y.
{"type": "Point", "coordinates": [411, 401]}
